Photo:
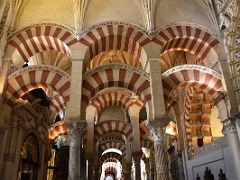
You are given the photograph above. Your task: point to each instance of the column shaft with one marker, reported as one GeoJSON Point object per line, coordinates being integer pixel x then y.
{"type": "Point", "coordinates": [128, 174]}
{"type": "Point", "coordinates": [74, 133]}
{"type": "Point", "coordinates": [73, 110]}
{"type": "Point", "coordinates": [229, 129]}
{"type": "Point", "coordinates": [158, 106]}
{"type": "Point", "coordinates": [90, 169]}
{"type": "Point", "coordinates": [161, 157]}
{"type": "Point", "coordinates": [74, 157]}
{"type": "Point", "coordinates": [137, 162]}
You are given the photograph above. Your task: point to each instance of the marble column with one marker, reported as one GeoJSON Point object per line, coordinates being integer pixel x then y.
{"type": "Point", "coordinates": [152, 166]}
{"type": "Point", "coordinates": [160, 153]}
{"type": "Point", "coordinates": [128, 174]}
{"type": "Point", "coordinates": [74, 133]}
{"type": "Point", "coordinates": [90, 169]}
{"type": "Point", "coordinates": [137, 156]}
{"type": "Point", "coordinates": [147, 168]}
{"type": "Point", "coordinates": [83, 163]}
{"type": "Point", "coordinates": [230, 130]}
{"type": "Point", "coordinates": [96, 172]}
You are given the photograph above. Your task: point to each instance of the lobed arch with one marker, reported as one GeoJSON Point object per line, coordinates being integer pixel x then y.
{"type": "Point", "coordinates": [41, 76]}
{"type": "Point", "coordinates": [115, 36]}
{"type": "Point", "coordinates": [190, 38]}
{"type": "Point", "coordinates": [116, 75]}
{"type": "Point", "coordinates": [114, 126]}
{"type": "Point", "coordinates": [201, 77]}
{"type": "Point", "coordinates": [37, 38]}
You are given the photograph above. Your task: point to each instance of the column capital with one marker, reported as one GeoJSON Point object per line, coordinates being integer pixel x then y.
{"type": "Point", "coordinates": [75, 129]}
{"type": "Point", "coordinates": [158, 122]}
{"type": "Point", "coordinates": [137, 155]}
{"type": "Point", "coordinates": [229, 126]}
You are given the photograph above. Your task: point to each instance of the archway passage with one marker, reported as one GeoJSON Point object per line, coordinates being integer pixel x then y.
{"type": "Point", "coordinates": [115, 36]}
{"type": "Point", "coordinates": [32, 40]}
{"type": "Point", "coordinates": [23, 81]}
{"type": "Point", "coordinates": [29, 159]}
{"type": "Point", "coordinates": [116, 75]}
{"type": "Point", "coordinates": [186, 38]}
{"type": "Point", "coordinates": [200, 77]}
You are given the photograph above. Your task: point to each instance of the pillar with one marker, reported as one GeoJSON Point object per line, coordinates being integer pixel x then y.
{"type": "Point", "coordinates": [158, 119]}
{"type": "Point", "coordinates": [147, 168]}
{"type": "Point", "coordinates": [160, 153]}
{"type": "Point", "coordinates": [136, 144]}
{"type": "Point", "coordinates": [73, 110]}
{"type": "Point", "coordinates": [230, 130]}
{"type": "Point", "coordinates": [157, 101]}
{"type": "Point", "coordinates": [152, 166]}
{"type": "Point", "coordinates": [91, 148]}
{"type": "Point", "coordinates": [74, 133]}
{"type": "Point", "coordinates": [137, 156]}
{"type": "Point", "coordinates": [90, 168]}
{"type": "Point", "coordinates": [128, 174]}
{"type": "Point", "coordinates": [83, 163]}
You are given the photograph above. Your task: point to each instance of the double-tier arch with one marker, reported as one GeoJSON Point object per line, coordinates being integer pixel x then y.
{"type": "Point", "coordinates": [41, 76]}
{"type": "Point", "coordinates": [115, 36]}
{"type": "Point", "coordinates": [37, 38]}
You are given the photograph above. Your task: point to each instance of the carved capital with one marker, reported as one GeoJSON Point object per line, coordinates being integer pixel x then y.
{"type": "Point", "coordinates": [137, 156]}
{"type": "Point", "coordinates": [75, 129]}
{"type": "Point", "coordinates": [229, 126]}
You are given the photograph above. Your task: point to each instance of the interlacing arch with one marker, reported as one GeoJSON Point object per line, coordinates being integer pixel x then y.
{"type": "Point", "coordinates": [187, 38]}
{"type": "Point", "coordinates": [41, 76]}
{"type": "Point", "coordinates": [37, 38]}
{"type": "Point", "coordinates": [116, 75]}
{"type": "Point", "coordinates": [114, 98]}
{"type": "Point", "coordinates": [117, 36]}
{"type": "Point", "coordinates": [113, 126]}
{"type": "Point", "coordinates": [200, 77]}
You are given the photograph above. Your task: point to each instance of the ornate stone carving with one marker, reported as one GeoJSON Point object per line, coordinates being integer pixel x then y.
{"type": "Point", "coordinates": [116, 66]}
{"type": "Point", "coordinates": [39, 67]}
{"type": "Point", "coordinates": [75, 130]}
{"type": "Point", "coordinates": [229, 126]}
{"type": "Point", "coordinates": [191, 67]}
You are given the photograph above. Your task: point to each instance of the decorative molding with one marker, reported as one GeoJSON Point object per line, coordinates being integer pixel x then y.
{"type": "Point", "coordinates": [117, 66]}
{"type": "Point", "coordinates": [229, 126]}
{"type": "Point", "coordinates": [220, 143]}
{"type": "Point", "coordinates": [192, 67]}
{"type": "Point", "coordinates": [39, 67]}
